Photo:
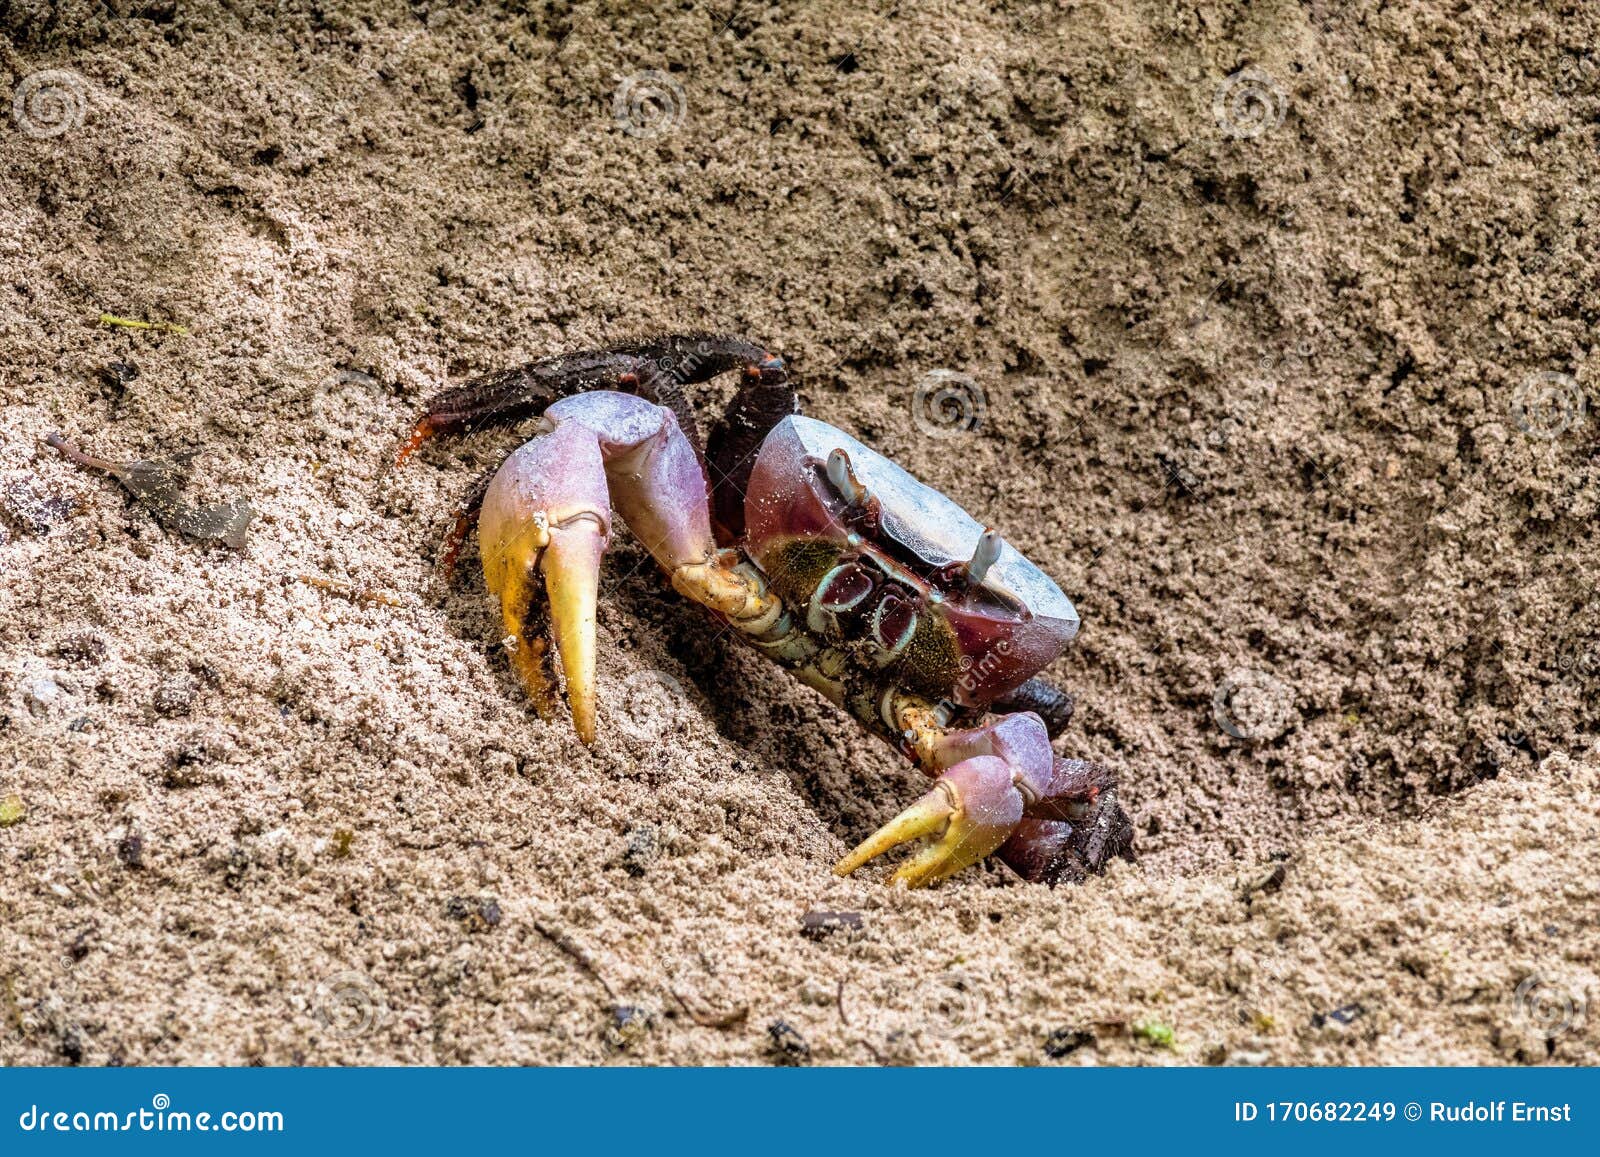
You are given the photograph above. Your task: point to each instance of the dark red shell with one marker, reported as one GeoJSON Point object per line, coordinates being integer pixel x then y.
{"type": "Point", "coordinates": [805, 534]}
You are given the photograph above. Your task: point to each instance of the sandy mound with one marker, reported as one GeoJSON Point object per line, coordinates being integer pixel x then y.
{"type": "Point", "coordinates": [1274, 331]}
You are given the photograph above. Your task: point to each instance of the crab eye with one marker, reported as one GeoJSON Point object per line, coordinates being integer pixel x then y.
{"type": "Point", "coordinates": [894, 623]}
{"type": "Point", "coordinates": [844, 587]}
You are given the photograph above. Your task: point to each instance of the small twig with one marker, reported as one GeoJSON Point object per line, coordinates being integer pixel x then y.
{"type": "Point", "coordinates": [346, 590]}
{"type": "Point", "coordinates": [705, 1020]}
{"type": "Point", "coordinates": [582, 958]}
{"type": "Point", "coordinates": [410, 846]}
{"type": "Point", "coordinates": [130, 323]}
{"type": "Point", "coordinates": [72, 454]}
{"type": "Point", "coordinates": [838, 1000]}
{"type": "Point", "coordinates": [871, 1048]}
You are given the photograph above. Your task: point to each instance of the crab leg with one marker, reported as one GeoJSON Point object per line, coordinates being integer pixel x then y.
{"type": "Point", "coordinates": [656, 371]}
{"type": "Point", "coordinates": [999, 786]}
{"type": "Point", "coordinates": [548, 510]}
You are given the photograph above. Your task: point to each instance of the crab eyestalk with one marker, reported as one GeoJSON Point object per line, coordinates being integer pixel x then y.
{"type": "Point", "coordinates": [985, 555]}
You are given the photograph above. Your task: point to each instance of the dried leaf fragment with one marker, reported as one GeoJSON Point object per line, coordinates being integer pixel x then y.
{"type": "Point", "coordinates": [158, 484]}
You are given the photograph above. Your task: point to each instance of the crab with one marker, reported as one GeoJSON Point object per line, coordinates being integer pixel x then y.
{"type": "Point", "coordinates": [869, 586]}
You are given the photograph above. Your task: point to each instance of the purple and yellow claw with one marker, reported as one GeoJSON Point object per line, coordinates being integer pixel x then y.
{"type": "Point", "coordinates": [969, 813]}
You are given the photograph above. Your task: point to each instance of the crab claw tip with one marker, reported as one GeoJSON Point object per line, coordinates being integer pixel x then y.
{"type": "Point", "coordinates": [969, 813]}
{"type": "Point", "coordinates": [571, 566]}
{"type": "Point", "coordinates": [929, 816]}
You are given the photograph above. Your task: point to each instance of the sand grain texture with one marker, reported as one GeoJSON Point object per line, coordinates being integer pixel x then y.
{"type": "Point", "coordinates": [1260, 384]}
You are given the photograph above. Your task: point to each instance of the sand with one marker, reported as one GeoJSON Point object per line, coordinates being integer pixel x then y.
{"type": "Point", "coordinates": [1273, 324]}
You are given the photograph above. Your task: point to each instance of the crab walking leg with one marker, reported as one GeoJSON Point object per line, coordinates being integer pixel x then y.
{"type": "Point", "coordinates": [549, 509]}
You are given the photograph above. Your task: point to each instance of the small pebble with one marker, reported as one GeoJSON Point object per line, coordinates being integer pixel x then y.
{"type": "Point", "coordinates": [1065, 1041]}
{"type": "Point", "coordinates": [41, 693]}
{"type": "Point", "coordinates": [629, 1025]}
{"type": "Point", "coordinates": [83, 647]}
{"type": "Point", "coordinates": [818, 925]}
{"type": "Point", "coordinates": [644, 848]}
{"type": "Point", "coordinates": [788, 1047]}
{"type": "Point", "coordinates": [31, 510]}
{"type": "Point", "coordinates": [130, 850]}
{"type": "Point", "coordinates": [175, 695]}
{"type": "Point", "coordinates": [1268, 881]}
{"type": "Point", "coordinates": [72, 1045]}
{"type": "Point", "coordinates": [184, 764]}
{"type": "Point", "coordinates": [475, 915]}
{"type": "Point", "coordinates": [114, 379]}
{"type": "Point", "coordinates": [1341, 1016]}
